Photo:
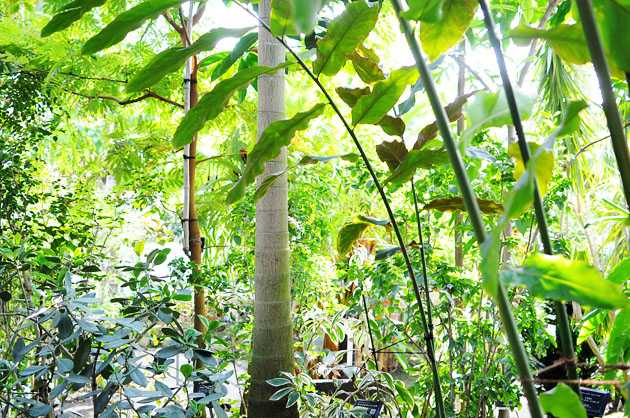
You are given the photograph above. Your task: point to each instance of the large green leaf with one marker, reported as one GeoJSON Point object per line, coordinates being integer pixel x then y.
{"type": "Point", "coordinates": [562, 402]}
{"type": "Point", "coordinates": [348, 235]}
{"type": "Point", "coordinates": [372, 107]}
{"type": "Point", "coordinates": [213, 103]}
{"type": "Point", "coordinates": [491, 110]}
{"type": "Point", "coordinates": [305, 14]}
{"type": "Point", "coordinates": [241, 47]}
{"type": "Point", "coordinates": [281, 20]}
{"type": "Point", "coordinates": [544, 168]}
{"type": "Point", "coordinates": [429, 11]}
{"type": "Point", "coordinates": [620, 273]}
{"type": "Point", "coordinates": [440, 36]}
{"type": "Point", "coordinates": [414, 160]}
{"type": "Point", "coordinates": [392, 126]}
{"type": "Point", "coordinates": [126, 22]}
{"type": "Point", "coordinates": [455, 204]}
{"type": "Point", "coordinates": [614, 27]}
{"type": "Point", "coordinates": [69, 14]}
{"type": "Point", "coordinates": [555, 277]}
{"type": "Point", "coordinates": [343, 35]}
{"type": "Point", "coordinates": [391, 153]}
{"type": "Point", "coordinates": [269, 146]}
{"type": "Point", "coordinates": [173, 59]}
{"type": "Point", "coordinates": [619, 343]}
{"type": "Point", "coordinates": [366, 68]}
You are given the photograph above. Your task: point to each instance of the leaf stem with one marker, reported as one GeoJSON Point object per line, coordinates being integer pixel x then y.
{"type": "Point", "coordinates": [564, 327]}
{"type": "Point", "coordinates": [516, 345]}
{"type": "Point", "coordinates": [602, 70]}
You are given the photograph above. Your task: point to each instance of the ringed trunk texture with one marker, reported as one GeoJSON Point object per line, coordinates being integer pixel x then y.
{"type": "Point", "coordinates": [272, 340]}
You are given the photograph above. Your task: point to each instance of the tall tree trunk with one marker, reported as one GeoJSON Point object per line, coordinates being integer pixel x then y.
{"type": "Point", "coordinates": [272, 340]}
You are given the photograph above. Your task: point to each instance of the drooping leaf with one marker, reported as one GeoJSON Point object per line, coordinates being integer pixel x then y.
{"type": "Point", "coordinates": [619, 343]}
{"type": "Point", "coordinates": [415, 159]}
{"type": "Point", "coordinates": [544, 168]}
{"type": "Point", "coordinates": [348, 235]}
{"type": "Point", "coordinates": [429, 11]}
{"type": "Point", "coordinates": [281, 21]}
{"type": "Point", "coordinates": [126, 22]}
{"type": "Point", "coordinates": [367, 69]}
{"type": "Point", "coordinates": [350, 96]}
{"type": "Point", "coordinates": [343, 36]}
{"type": "Point", "coordinates": [213, 103]}
{"type": "Point", "coordinates": [555, 277]}
{"type": "Point", "coordinates": [620, 273]}
{"type": "Point", "coordinates": [453, 111]}
{"type": "Point", "coordinates": [276, 136]}
{"type": "Point", "coordinates": [391, 153]}
{"type": "Point", "coordinates": [173, 59]}
{"type": "Point", "coordinates": [455, 204]}
{"type": "Point", "coordinates": [69, 14]}
{"type": "Point", "coordinates": [241, 47]}
{"type": "Point", "coordinates": [371, 108]}
{"type": "Point", "coordinates": [491, 110]}
{"type": "Point", "coordinates": [562, 402]}
{"type": "Point", "coordinates": [440, 36]}
{"type": "Point", "coordinates": [392, 126]}
{"type": "Point", "coordinates": [305, 14]}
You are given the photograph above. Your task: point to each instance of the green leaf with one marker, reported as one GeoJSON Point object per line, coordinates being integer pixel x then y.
{"type": "Point", "coordinates": [40, 410]}
{"type": "Point", "coordinates": [241, 47]}
{"type": "Point", "coordinates": [348, 235]}
{"type": "Point", "coordinates": [618, 351]}
{"type": "Point", "coordinates": [213, 103]}
{"type": "Point", "coordinates": [278, 381]}
{"type": "Point", "coordinates": [172, 59]}
{"type": "Point", "coordinates": [440, 36]}
{"type": "Point", "coordinates": [292, 399]}
{"type": "Point", "coordinates": [392, 126]}
{"type": "Point", "coordinates": [544, 168]}
{"type": "Point", "coordinates": [186, 370]}
{"type": "Point", "coordinates": [424, 159]}
{"type": "Point", "coordinates": [126, 22]}
{"type": "Point", "coordinates": [555, 277]}
{"type": "Point", "coordinates": [455, 204]}
{"type": "Point", "coordinates": [562, 402]}
{"type": "Point", "coordinates": [305, 14]}
{"type": "Point", "coordinates": [391, 153]}
{"type": "Point", "coordinates": [429, 11]}
{"type": "Point", "coordinates": [31, 370]}
{"type": "Point", "coordinates": [69, 14]}
{"type": "Point", "coordinates": [590, 323]}
{"type": "Point", "coordinates": [168, 352]}
{"type": "Point", "coordinates": [281, 22]}
{"type": "Point", "coordinates": [367, 69]}
{"type": "Point", "coordinates": [491, 110]}
{"type": "Point", "coordinates": [350, 96]}
{"type": "Point", "coordinates": [372, 107]}
{"type": "Point", "coordinates": [620, 273]}
{"type": "Point", "coordinates": [18, 350]}
{"type": "Point", "coordinates": [343, 36]}
{"type": "Point", "coordinates": [374, 221]}
{"type": "Point", "coordinates": [269, 146]}
{"type": "Point", "coordinates": [614, 28]}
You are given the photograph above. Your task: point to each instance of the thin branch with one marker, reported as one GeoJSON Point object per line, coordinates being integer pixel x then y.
{"type": "Point", "coordinates": [581, 150]}
{"type": "Point", "coordinates": [460, 58]}
{"type": "Point", "coordinates": [182, 19]}
{"type": "Point", "coordinates": [145, 96]}
{"type": "Point", "coordinates": [172, 22]}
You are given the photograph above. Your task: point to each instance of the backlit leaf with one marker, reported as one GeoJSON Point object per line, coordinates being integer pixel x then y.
{"type": "Point", "coordinates": [618, 351]}
{"type": "Point", "coordinates": [281, 22]}
{"type": "Point", "coordinates": [350, 96]}
{"type": "Point", "coordinates": [348, 235]}
{"type": "Point", "coordinates": [620, 273]}
{"type": "Point", "coordinates": [613, 21]}
{"type": "Point", "coordinates": [415, 159]}
{"type": "Point", "coordinates": [241, 47]}
{"type": "Point", "coordinates": [544, 168]}
{"type": "Point", "coordinates": [69, 14]}
{"type": "Point", "coordinates": [555, 277]}
{"type": "Point", "coordinates": [343, 36]}
{"type": "Point", "coordinates": [305, 14]}
{"type": "Point", "coordinates": [437, 38]}
{"type": "Point", "coordinates": [392, 126]}
{"type": "Point", "coordinates": [213, 103]}
{"type": "Point", "coordinates": [276, 136]}
{"type": "Point", "coordinates": [429, 11]}
{"type": "Point", "coordinates": [367, 69]}
{"type": "Point", "coordinates": [455, 204]}
{"type": "Point", "coordinates": [372, 107]}
{"type": "Point", "coordinates": [562, 402]}
{"type": "Point", "coordinates": [126, 22]}
{"type": "Point", "coordinates": [172, 59]}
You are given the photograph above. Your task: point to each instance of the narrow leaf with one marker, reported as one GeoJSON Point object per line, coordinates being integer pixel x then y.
{"type": "Point", "coordinates": [372, 107]}
{"type": "Point", "coordinates": [440, 36]}
{"type": "Point", "coordinates": [69, 14]}
{"type": "Point", "coordinates": [455, 204]}
{"type": "Point", "coordinates": [554, 277]}
{"type": "Point", "coordinates": [343, 36]}
{"type": "Point", "coordinates": [424, 159]}
{"type": "Point", "coordinates": [562, 402]}
{"type": "Point", "coordinates": [276, 136]}
{"type": "Point", "coordinates": [241, 47]}
{"type": "Point", "coordinates": [213, 103]}
{"type": "Point", "coordinates": [126, 22]}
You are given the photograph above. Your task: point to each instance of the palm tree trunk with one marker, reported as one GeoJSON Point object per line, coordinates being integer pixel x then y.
{"type": "Point", "coordinates": [272, 340]}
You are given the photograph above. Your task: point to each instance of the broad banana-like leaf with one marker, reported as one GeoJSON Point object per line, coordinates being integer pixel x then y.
{"type": "Point", "coordinates": [241, 47]}
{"type": "Point", "coordinates": [213, 103]}
{"type": "Point", "coordinates": [555, 277]}
{"type": "Point", "coordinates": [173, 59]}
{"type": "Point", "coordinates": [562, 402]}
{"type": "Point", "coordinates": [414, 160]}
{"type": "Point", "coordinates": [371, 108]}
{"type": "Point", "coordinates": [613, 18]}
{"type": "Point", "coordinates": [126, 22]}
{"type": "Point", "coordinates": [69, 14]}
{"type": "Point", "coordinates": [343, 36]}
{"type": "Point", "coordinates": [276, 136]}
{"type": "Point", "coordinates": [455, 204]}
{"type": "Point", "coordinates": [620, 273]}
{"type": "Point", "coordinates": [437, 38]}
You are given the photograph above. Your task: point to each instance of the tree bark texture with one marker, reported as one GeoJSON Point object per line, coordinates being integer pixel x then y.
{"type": "Point", "coordinates": [272, 340]}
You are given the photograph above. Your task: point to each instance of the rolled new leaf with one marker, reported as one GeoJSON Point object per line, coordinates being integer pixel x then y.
{"type": "Point", "coordinates": [269, 146]}
{"type": "Point", "coordinates": [173, 59]}
{"type": "Point", "coordinates": [126, 22]}
{"type": "Point", "coordinates": [69, 14]}
{"type": "Point", "coordinates": [213, 103]}
{"type": "Point", "coordinates": [343, 36]}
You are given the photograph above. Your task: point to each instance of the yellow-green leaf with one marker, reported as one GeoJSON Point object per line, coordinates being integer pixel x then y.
{"type": "Point", "coordinates": [455, 204]}
{"type": "Point", "coordinates": [69, 14]}
{"type": "Point", "coordinates": [562, 402]}
{"type": "Point", "coordinates": [437, 38]}
{"type": "Point", "coordinates": [366, 68]}
{"type": "Point", "coordinates": [348, 235]}
{"type": "Point", "coordinates": [544, 168]}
